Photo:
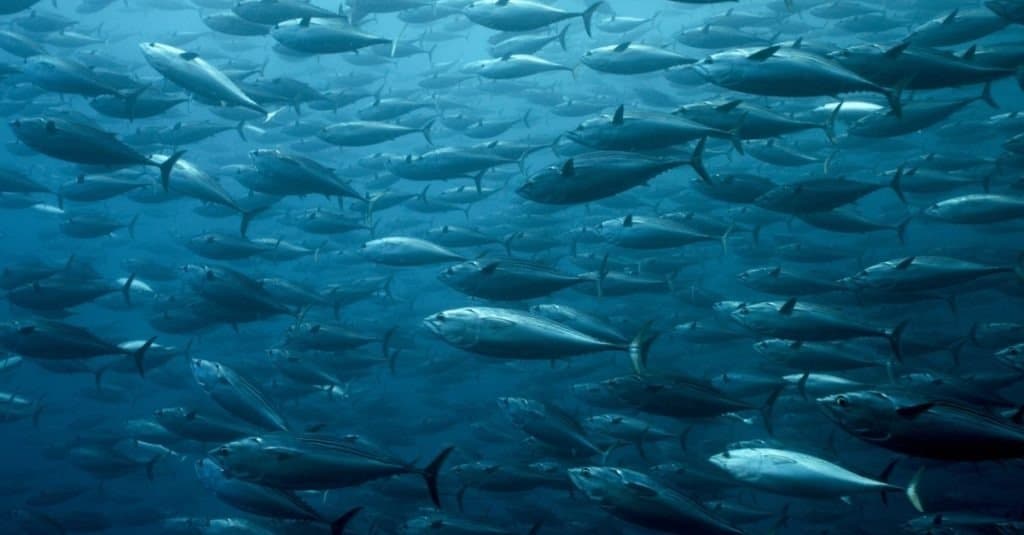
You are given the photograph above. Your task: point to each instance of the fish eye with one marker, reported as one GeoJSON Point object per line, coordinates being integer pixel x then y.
{"type": "Point", "coordinates": [440, 316]}
{"type": "Point", "coordinates": [841, 401]}
{"type": "Point", "coordinates": [450, 271]}
{"type": "Point", "coordinates": [585, 472]}
{"type": "Point", "coordinates": [223, 451]}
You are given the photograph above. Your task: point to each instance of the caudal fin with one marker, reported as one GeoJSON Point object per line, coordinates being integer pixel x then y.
{"type": "Point", "coordinates": [140, 353]}
{"type": "Point", "coordinates": [338, 525]}
{"type": "Point", "coordinates": [912, 495]}
{"type": "Point", "coordinates": [640, 346]}
{"type": "Point", "coordinates": [769, 406]}
{"type": "Point", "coordinates": [126, 289]}
{"type": "Point", "coordinates": [426, 131]}
{"type": "Point", "coordinates": [430, 474]}
{"type": "Point", "coordinates": [897, 183]}
{"type": "Point", "coordinates": [830, 123]}
{"type": "Point", "coordinates": [589, 14]}
{"type": "Point", "coordinates": [901, 229]}
{"type": "Point", "coordinates": [986, 95]}
{"type": "Point", "coordinates": [167, 167]}
{"type": "Point", "coordinates": [697, 161]}
{"type": "Point", "coordinates": [896, 340]}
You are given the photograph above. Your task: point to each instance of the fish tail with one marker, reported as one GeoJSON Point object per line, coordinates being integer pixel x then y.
{"type": "Point", "coordinates": [912, 495]}
{"type": "Point", "coordinates": [897, 184]}
{"type": "Point", "coordinates": [769, 406]}
{"type": "Point", "coordinates": [895, 337]}
{"type": "Point", "coordinates": [151, 465]}
{"type": "Point", "coordinates": [640, 346]}
{"type": "Point", "coordinates": [139, 353]}
{"type": "Point", "coordinates": [126, 289]}
{"type": "Point", "coordinates": [430, 474]}
{"type": "Point", "coordinates": [697, 161]}
{"type": "Point", "coordinates": [460, 497]}
{"type": "Point", "coordinates": [167, 166]}
{"type": "Point", "coordinates": [588, 14]}
{"type": "Point", "coordinates": [884, 478]}
{"type": "Point", "coordinates": [338, 525]}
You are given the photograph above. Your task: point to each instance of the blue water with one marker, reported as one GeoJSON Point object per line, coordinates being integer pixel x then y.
{"type": "Point", "coordinates": [438, 395]}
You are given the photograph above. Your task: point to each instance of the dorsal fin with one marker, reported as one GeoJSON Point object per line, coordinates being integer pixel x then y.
{"type": "Point", "coordinates": [969, 53]}
{"type": "Point", "coordinates": [895, 51]}
{"type": "Point", "coordinates": [764, 53]}
{"type": "Point", "coordinates": [951, 17]}
{"type": "Point", "coordinates": [188, 56]}
{"type": "Point", "coordinates": [627, 221]}
{"type": "Point", "coordinates": [490, 268]}
{"type": "Point", "coordinates": [617, 119]}
{"type": "Point", "coordinates": [622, 47]}
{"type": "Point", "coordinates": [914, 411]}
{"type": "Point", "coordinates": [729, 106]}
{"type": "Point", "coordinates": [788, 306]}
{"type": "Point", "coordinates": [905, 263]}
{"type": "Point", "coordinates": [568, 168]}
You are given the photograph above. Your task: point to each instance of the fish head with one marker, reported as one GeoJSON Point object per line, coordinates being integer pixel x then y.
{"type": "Point", "coordinates": [726, 307]}
{"type": "Point", "coordinates": [718, 68]}
{"type": "Point", "coordinates": [475, 67]}
{"type": "Point", "coordinates": [207, 373]}
{"type": "Point", "coordinates": [590, 392]}
{"type": "Point", "coordinates": [756, 274]}
{"type": "Point", "coordinates": [379, 248]}
{"type": "Point", "coordinates": [774, 346]}
{"type": "Point", "coordinates": [160, 55]}
{"type": "Point", "coordinates": [27, 128]}
{"type": "Point", "coordinates": [454, 275]}
{"type": "Point", "coordinates": [458, 326]}
{"type": "Point", "coordinates": [858, 56]}
{"type": "Point", "coordinates": [865, 414]}
{"type": "Point", "coordinates": [743, 464]}
{"type": "Point", "coordinates": [758, 316]}
{"type": "Point", "coordinates": [559, 313]}
{"type": "Point", "coordinates": [40, 66]}
{"type": "Point", "coordinates": [1012, 356]}
{"type": "Point", "coordinates": [240, 458]}
{"type": "Point", "coordinates": [546, 467]}
{"type": "Point", "coordinates": [197, 274]}
{"type": "Point", "coordinates": [521, 410]}
{"type": "Point", "coordinates": [1007, 9]}
{"type": "Point", "coordinates": [599, 483]}
{"type": "Point", "coordinates": [934, 210]}
{"type": "Point", "coordinates": [209, 472]}
{"type": "Point", "coordinates": [167, 414]}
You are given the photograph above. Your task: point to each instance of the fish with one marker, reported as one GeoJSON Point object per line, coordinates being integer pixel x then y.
{"type": "Point", "coordinates": [76, 142]}
{"type": "Point", "coordinates": [793, 473]}
{"type": "Point", "coordinates": [509, 333]}
{"type": "Point", "coordinates": [314, 462]}
{"type": "Point", "coordinates": [932, 429]}
{"type": "Point", "coordinates": [637, 498]}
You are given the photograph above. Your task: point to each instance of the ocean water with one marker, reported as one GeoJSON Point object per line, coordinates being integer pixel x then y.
{"type": "Point", "coordinates": [356, 262]}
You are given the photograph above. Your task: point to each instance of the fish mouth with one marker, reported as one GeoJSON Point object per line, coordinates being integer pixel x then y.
{"type": "Point", "coordinates": [430, 324]}
{"type": "Point", "coordinates": [573, 136]}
